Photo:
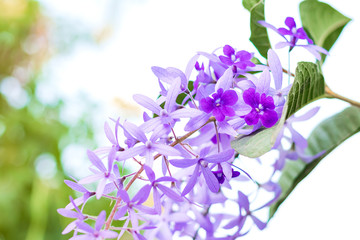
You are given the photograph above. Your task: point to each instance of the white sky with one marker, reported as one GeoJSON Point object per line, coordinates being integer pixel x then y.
{"type": "Point", "coordinates": [168, 33]}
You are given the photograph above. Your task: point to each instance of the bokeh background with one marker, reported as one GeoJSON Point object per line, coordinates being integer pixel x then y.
{"type": "Point", "coordinates": [67, 66]}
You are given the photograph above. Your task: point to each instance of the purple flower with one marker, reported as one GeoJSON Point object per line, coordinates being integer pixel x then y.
{"type": "Point", "coordinates": [219, 103]}
{"type": "Point", "coordinates": [167, 115]}
{"type": "Point", "coordinates": [100, 173]}
{"type": "Point", "coordinates": [240, 59]}
{"type": "Point", "coordinates": [79, 188]}
{"type": "Point", "coordinates": [262, 108]}
{"type": "Point", "coordinates": [156, 185]}
{"type": "Point", "coordinates": [133, 207]}
{"type": "Point", "coordinates": [295, 34]}
{"type": "Point", "coordinates": [244, 213]}
{"type": "Point", "coordinates": [202, 165]}
{"type": "Point", "coordinates": [148, 147]}
{"type": "Point", "coordinates": [94, 233]}
{"type": "Point", "coordinates": [71, 214]}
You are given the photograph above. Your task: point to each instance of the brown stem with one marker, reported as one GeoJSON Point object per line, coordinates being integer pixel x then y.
{"type": "Point", "coordinates": [331, 94]}
{"type": "Point", "coordinates": [132, 180]}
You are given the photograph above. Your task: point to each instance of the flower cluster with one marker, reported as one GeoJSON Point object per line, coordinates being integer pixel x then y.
{"type": "Point", "coordinates": [186, 134]}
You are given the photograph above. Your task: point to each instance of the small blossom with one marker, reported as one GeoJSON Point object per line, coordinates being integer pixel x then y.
{"type": "Point", "coordinates": [219, 104]}
{"type": "Point", "coordinates": [262, 108]}
{"type": "Point", "coordinates": [94, 233]}
{"type": "Point", "coordinates": [295, 34]}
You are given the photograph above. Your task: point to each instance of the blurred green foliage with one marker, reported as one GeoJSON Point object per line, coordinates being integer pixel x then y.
{"type": "Point", "coordinates": [28, 199]}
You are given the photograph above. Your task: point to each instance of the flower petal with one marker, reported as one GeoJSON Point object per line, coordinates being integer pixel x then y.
{"type": "Point", "coordinates": [148, 103]}
{"type": "Point", "coordinates": [210, 179]}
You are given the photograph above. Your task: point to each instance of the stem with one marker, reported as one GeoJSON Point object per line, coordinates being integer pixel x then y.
{"type": "Point", "coordinates": [331, 94]}
{"type": "Point", "coordinates": [136, 176]}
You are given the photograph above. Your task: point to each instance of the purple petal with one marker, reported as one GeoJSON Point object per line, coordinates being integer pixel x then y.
{"type": "Point", "coordinates": [151, 124]}
{"type": "Point", "coordinates": [220, 157]}
{"type": "Point", "coordinates": [172, 94]}
{"type": "Point", "coordinates": [261, 225]}
{"type": "Point", "coordinates": [100, 220]}
{"type": "Point", "coordinates": [192, 181]}
{"type": "Point", "coordinates": [96, 161]}
{"type": "Point", "coordinates": [124, 195]}
{"type": "Point", "coordinates": [218, 114]}
{"type": "Point", "coordinates": [162, 74]}
{"type": "Point", "coordinates": [135, 131]}
{"type": "Point", "coordinates": [121, 212]}
{"type": "Point", "coordinates": [226, 60]}
{"type": "Point", "coordinates": [251, 97]}
{"type": "Point", "coordinates": [170, 193]}
{"type": "Point", "coordinates": [75, 186]}
{"type": "Point", "coordinates": [165, 149]}
{"type": "Point", "coordinates": [269, 118]}
{"type": "Point", "coordinates": [228, 50]}
{"type": "Point", "coordinates": [131, 152]}
{"type": "Point", "coordinates": [100, 188]}
{"type": "Point", "coordinates": [211, 57]}
{"type": "Point", "coordinates": [283, 44]}
{"type": "Point", "coordinates": [243, 201]}
{"type": "Point", "coordinates": [142, 195]}
{"type": "Point", "coordinates": [284, 32]}
{"type": "Point", "coordinates": [298, 139]}
{"type": "Point", "coordinates": [147, 103]}
{"type": "Point", "coordinates": [68, 213]}
{"type": "Point", "coordinates": [108, 234]}
{"type": "Point", "coordinates": [276, 68]}
{"type": "Point", "coordinates": [85, 227]}
{"type": "Point", "coordinates": [314, 50]}
{"type": "Point", "coordinates": [207, 104]}
{"type": "Point", "coordinates": [197, 122]}
{"type": "Point", "coordinates": [190, 65]}
{"type": "Point", "coordinates": [157, 203]}
{"type": "Point", "coordinates": [71, 226]}
{"type": "Point", "coordinates": [268, 25]}
{"type": "Point", "coordinates": [91, 178]}
{"type": "Point", "coordinates": [109, 134]}
{"type": "Point", "coordinates": [186, 113]}
{"type": "Point", "coordinates": [226, 80]}
{"type": "Point", "coordinates": [166, 179]}
{"type": "Point", "coordinates": [252, 118]}
{"type": "Point", "coordinates": [290, 22]}
{"type": "Point", "coordinates": [227, 111]}
{"type": "Point", "coordinates": [304, 117]}
{"type": "Point", "coordinates": [150, 173]}
{"type": "Point", "coordinates": [263, 84]}
{"type": "Point", "coordinates": [210, 179]}
{"type": "Point", "coordinates": [229, 97]}
{"type": "Point", "coordinates": [183, 163]}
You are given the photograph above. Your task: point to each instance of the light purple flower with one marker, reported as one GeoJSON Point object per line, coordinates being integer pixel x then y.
{"type": "Point", "coordinates": [71, 214]}
{"type": "Point", "coordinates": [156, 186]}
{"type": "Point", "coordinates": [94, 233]}
{"type": "Point", "coordinates": [294, 35]}
{"type": "Point", "coordinates": [101, 173]}
{"type": "Point", "coordinates": [148, 147]}
{"type": "Point", "coordinates": [202, 165]}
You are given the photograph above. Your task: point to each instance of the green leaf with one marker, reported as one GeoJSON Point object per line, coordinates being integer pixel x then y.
{"type": "Point", "coordinates": [259, 36]}
{"type": "Point", "coordinates": [308, 86]}
{"type": "Point", "coordinates": [259, 142]}
{"type": "Point", "coordinates": [325, 137]}
{"type": "Point", "coordinates": [323, 23]}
